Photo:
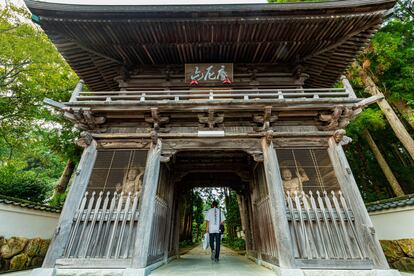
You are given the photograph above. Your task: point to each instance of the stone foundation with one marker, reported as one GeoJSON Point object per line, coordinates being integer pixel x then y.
{"type": "Point", "coordinates": [399, 253]}
{"type": "Point", "coordinates": [18, 253]}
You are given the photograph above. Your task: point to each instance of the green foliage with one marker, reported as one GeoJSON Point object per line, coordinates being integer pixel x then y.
{"type": "Point", "coordinates": [236, 244]}
{"type": "Point", "coordinates": [17, 181]}
{"type": "Point", "coordinates": [31, 135]}
{"type": "Point", "coordinates": [233, 221]}
{"type": "Point", "coordinates": [198, 216]}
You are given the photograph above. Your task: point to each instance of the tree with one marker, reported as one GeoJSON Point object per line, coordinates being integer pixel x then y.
{"type": "Point", "coordinates": [30, 70]}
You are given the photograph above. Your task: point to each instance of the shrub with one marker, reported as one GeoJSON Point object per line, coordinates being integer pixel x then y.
{"type": "Point", "coordinates": [18, 183]}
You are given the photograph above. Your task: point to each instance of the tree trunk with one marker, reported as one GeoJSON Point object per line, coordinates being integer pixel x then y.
{"type": "Point", "coordinates": [395, 123]}
{"type": "Point", "coordinates": [60, 188]}
{"type": "Point", "coordinates": [392, 180]}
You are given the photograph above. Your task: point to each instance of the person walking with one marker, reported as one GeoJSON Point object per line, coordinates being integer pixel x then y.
{"type": "Point", "coordinates": [214, 218]}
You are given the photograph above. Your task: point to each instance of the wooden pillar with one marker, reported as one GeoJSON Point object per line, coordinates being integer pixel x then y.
{"type": "Point", "coordinates": [73, 200]}
{"type": "Point", "coordinates": [147, 206]}
{"type": "Point", "coordinates": [277, 205]}
{"type": "Point", "coordinates": [351, 192]}
{"type": "Point", "coordinates": [169, 217]}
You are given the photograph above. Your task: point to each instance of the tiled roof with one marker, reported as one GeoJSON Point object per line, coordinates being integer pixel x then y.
{"type": "Point", "coordinates": [407, 200]}
{"type": "Point", "coordinates": [28, 204]}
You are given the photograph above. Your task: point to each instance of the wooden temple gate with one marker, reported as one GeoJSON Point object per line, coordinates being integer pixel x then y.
{"type": "Point", "coordinates": [240, 97]}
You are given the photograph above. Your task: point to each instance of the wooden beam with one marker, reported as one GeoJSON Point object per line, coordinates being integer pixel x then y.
{"type": "Point", "coordinates": [73, 200]}
{"type": "Point", "coordinates": [76, 91]}
{"type": "Point", "coordinates": [350, 190]}
{"type": "Point", "coordinates": [147, 207]}
{"type": "Point", "coordinates": [277, 205]}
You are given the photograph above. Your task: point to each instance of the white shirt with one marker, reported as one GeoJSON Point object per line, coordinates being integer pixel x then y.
{"type": "Point", "coordinates": [213, 218]}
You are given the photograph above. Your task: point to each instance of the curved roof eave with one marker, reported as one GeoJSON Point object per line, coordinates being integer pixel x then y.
{"type": "Point", "coordinates": [324, 37]}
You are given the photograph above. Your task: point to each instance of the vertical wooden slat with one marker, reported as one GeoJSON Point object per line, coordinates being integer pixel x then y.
{"type": "Point", "coordinates": [337, 232]}
{"type": "Point", "coordinates": [85, 221]}
{"type": "Point", "coordinates": [97, 238]}
{"type": "Point", "coordinates": [114, 226]}
{"type": "Point", "coordinates": [73, 200]}
{"type": "Point", "coordinates": [299, 238]}
{"type": "Point", "coordinates": [344, 228]}
{"type": "Point", "coordinates": [131, 225]}
{"type": "Point", "coordinates": [105, 234]}
{"type": "Point", "coordinates": [74, 233]}
{"type": "Point", "coordinates": [330, 235]}
{"type": "Point", "coordinates": [307, 254]}
{"type": "Point", "coordinates": [83, 253]}
{"type": "Point", "coordinates": [315, 241]}
{"type": "Point", "coordinates": [318, 223]}
{"type": "Point", "coordinates": [351, 223]}
{"type": "Point", "coordinates": [122, 230]}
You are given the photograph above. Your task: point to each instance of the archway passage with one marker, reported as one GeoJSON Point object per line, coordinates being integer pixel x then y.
{"type": "Point", "coordinates": [217, 170]}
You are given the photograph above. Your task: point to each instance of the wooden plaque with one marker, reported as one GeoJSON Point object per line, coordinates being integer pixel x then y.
{"type": "Point", "coordinates": [211, 73]}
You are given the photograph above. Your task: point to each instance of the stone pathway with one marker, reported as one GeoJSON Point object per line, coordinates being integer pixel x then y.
{"type": "Point", "coordinates": [197, 263]}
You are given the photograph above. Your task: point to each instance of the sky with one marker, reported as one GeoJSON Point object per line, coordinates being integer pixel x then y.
{"type": "Point", "coordinates": [147, 2]}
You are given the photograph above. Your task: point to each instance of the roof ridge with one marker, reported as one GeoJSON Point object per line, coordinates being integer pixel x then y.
{"type": "Point", "coordinates": [28, 204]}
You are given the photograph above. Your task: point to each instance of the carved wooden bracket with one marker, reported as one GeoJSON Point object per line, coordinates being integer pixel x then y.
{"type": "Point", "coordinates": [266, 119]}
{"type": "Point", "coordinates": [85, 140]}
{"type": "Point", "coordinates": [338, 119]}
{"type": "Point", "coordinates": [211, 120]}
{"type": "Point", "coordinates": [269, 136]}
{"type": "Point", "coordinates": [156, 119]}
{"type": "Point", "coordinates": [85, 120]}
{"type": "Point", "coordinates": [340, 137]}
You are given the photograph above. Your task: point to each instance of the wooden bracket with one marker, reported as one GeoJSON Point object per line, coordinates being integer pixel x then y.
{"type": "Point", "coordinates": [156, 119]}
{"type": "Point", "coordinates": [212, 119]}
{"type": "Point", "coordinates": [266, 119]}
{"type": "Point", "coordinates": [85, 140]}
{"type": "Point", "coordinates": [85, 120]}
{"type": "Point", "coordinates": [269, 136]}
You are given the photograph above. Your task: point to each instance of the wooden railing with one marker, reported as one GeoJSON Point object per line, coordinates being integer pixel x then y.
{"type": "Point", "coordinates": [104, 227]}
{"type": "Point", "coordinates": [209, 95]}
{"type": "Point", "coordinates": [322, 226]}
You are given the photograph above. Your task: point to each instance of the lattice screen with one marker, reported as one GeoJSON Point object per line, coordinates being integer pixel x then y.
{"type": "Point", "coordinates": [310, 169]}
{"type": "Point", "coordinates": [111, 167]}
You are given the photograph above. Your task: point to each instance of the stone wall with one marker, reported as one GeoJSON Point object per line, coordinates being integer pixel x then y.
{"type": "Point", "coordinates": [399, 253]}
{"type": "Point", "coordinates": [17, 253]}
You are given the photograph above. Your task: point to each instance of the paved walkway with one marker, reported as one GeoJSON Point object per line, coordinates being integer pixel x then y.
{"type": "Point", "coordinates": [197, 263]}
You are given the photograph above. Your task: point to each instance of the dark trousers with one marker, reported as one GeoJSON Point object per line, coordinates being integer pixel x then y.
{"type": "Point", "coordinates": [215, 237]}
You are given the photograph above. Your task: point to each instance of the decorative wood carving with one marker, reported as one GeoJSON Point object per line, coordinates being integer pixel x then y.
{"type": "Point", "coordinates": [211, 120]}
{"type": "Point", "coordinates": [339, 118]}
{"type": "Point", "coordinates": [266, 119]}
{"type": "Point", "coordinates": [156, 119]}
{"type": "Point", "coordinates": [85, 120]}
{"type": "Point", "coordinates": [340, 137]}
{"type": "Point", "coordinates": [85, 140]}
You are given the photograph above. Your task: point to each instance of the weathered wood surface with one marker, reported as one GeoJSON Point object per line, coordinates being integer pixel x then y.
{"type": "Point", "coordinates": [147, 207]}
{"type": "Point", "coordinates": [72, 203]}
{"type": "Point", "coordinates": [98, 232]}
{"type": "Point", "coordinates": [323, 227]}
{"type": "Point", "coordinates": [77, 91]}
{"type": "Point", "coordinates": [350, 190]}
{"type": "Point", "coordinates": [277, 206]}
